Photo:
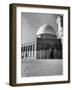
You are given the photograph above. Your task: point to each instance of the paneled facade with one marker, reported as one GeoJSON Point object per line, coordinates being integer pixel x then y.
{"type": "Point", "coordinates": [42, 49]}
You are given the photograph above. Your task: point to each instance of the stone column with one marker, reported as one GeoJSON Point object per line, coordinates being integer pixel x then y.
{"type": "Point", "coordinates": [25, 52]}
{"type": "Point", "coordinates": [35, 52]}
{"type": "Point", "coordinates": [22, 52]}
{"type": "Point", "coordinates": [29, 51]}
{"type": "Point", "coordinates": [32, 52]}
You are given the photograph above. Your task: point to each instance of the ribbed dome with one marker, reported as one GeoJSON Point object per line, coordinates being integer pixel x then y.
{"type": "Point", "coordinates": [46, 29]}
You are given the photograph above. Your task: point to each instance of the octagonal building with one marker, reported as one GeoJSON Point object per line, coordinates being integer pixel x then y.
{"type": "Point", "coordinates": [45, 45]}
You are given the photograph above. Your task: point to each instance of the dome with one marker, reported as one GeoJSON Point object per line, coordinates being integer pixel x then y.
{"type": "Point", "coordinates": [46, 29]}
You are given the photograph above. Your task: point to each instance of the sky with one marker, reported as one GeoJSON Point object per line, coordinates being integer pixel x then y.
{"type": "Point", "coordinates": [31, 22]}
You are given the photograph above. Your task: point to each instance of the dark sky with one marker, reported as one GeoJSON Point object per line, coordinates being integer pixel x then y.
{"type": "Point", "coordinates": [30, 23]}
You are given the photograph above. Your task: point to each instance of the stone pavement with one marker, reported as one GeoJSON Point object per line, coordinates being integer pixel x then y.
{"type": "Point", "coordinates": [48, 67]}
